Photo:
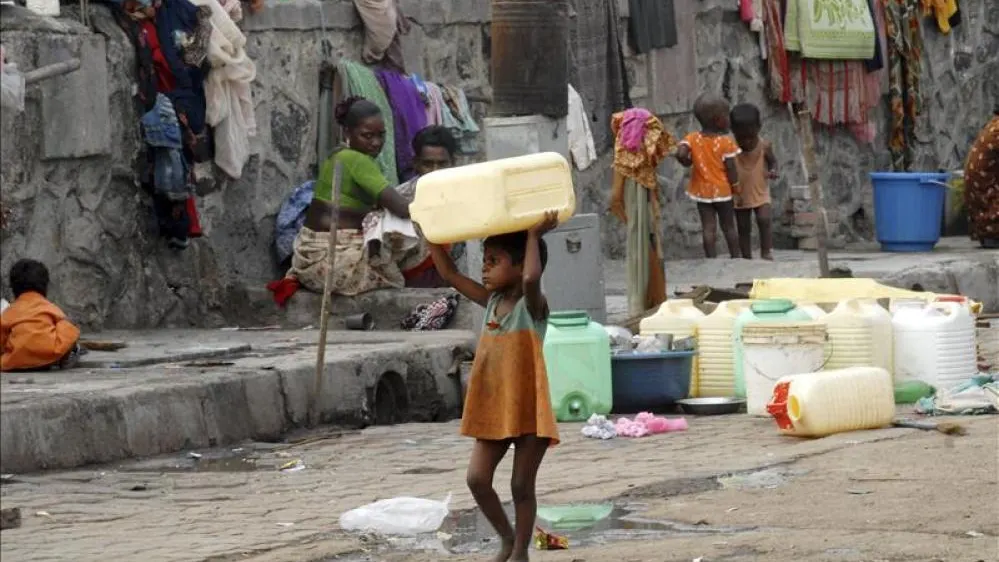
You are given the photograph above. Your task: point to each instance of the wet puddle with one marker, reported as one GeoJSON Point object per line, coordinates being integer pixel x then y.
{"type": "Point", "coordinates": [468, 532]}
{"type": "Point", "coordinates": [194, 462]}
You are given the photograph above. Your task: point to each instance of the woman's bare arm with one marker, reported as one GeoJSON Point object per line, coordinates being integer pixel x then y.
{"type": "Point", "coordinates": [394, 203]}
{"type": "Point", "coordinates": [471, 289]}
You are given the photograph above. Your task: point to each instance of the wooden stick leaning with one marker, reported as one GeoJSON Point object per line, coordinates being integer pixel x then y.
{"type": "Point", "coordinates": [810, 166]}
{"type": "Point", "coordinates": [324, 318]}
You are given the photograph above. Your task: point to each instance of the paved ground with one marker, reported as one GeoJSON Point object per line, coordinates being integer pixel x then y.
{"type": "Point", "coordinates": [892, 494]}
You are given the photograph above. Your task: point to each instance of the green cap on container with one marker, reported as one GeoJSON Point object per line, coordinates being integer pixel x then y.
{"type": "Point", "coordinates": [772, 306]}
{"type": "Point", "coordinates": [569, 318]}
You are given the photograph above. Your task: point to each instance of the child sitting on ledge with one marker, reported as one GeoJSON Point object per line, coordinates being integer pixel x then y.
{"type": "Point", "coordinates": [34, 333]}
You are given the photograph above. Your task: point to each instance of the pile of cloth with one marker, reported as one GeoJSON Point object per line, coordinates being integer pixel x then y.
{"type": "Point", "coordinates": [978, 396]}
{"type": "Point", "coordinates": [194, 88]}
{"type": "Point", "coordinates": [644, 424]}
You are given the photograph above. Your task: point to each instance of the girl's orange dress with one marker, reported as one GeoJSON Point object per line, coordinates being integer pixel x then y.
{"type": "Point", "coordinates": [508, 392]}
{"type": "Point", "coordinates": [708, 178]}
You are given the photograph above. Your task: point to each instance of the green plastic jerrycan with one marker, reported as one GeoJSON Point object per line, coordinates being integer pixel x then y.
{"type": "Point", "coordinates": [578, 358]}
{"type": "Point", "coordinates": [768, 310]}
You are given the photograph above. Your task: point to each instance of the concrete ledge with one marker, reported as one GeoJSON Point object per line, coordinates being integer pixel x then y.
{"type": "Point", "coordinates": [309, 15]}
{"type": "Point", "coordinates": [70, 419]}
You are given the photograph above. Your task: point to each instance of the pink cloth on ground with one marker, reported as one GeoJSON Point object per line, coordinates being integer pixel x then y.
{"type": "Point", "coordinates": [632, 131]}
{"type": "Point", "coordinates": [648, 424]}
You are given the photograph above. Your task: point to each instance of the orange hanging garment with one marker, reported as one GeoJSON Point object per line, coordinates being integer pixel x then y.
{"type": "Point", "coordinates": [34, 333]}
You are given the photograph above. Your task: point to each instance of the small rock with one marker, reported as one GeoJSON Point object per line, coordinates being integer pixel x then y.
{"type": "Point", "coordinates": [10, 518]}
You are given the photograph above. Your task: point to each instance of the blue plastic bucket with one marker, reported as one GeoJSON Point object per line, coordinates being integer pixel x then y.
{"type": "Point", "coordinates": [908, 210]}
{"type": "Point", "coordinates": [650, 381]}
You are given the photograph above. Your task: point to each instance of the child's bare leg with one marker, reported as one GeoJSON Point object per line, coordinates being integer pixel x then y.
{"type": "Point", "coordinates": [764, 221]}
{"type": "Point", "coordinates": [486, 455]}
{"type": "Point", "coordinates": [744, 224]}
{"type": "Point", "coordinates": [726, 219]}
{"type": "Point", "coordinates": [529, 450]}
{"type": "Point", "coordinates": [709, 228]}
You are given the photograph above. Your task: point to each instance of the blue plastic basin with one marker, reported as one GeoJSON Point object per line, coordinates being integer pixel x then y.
{"type": "Point", "coordinates": [908, 209]}
{"type": "Point", "coordinates": [650, 381]}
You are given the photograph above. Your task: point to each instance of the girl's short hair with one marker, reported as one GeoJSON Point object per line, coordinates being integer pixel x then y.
{"type": "Point", "coordinates": [515, 244]}
{"type": "Point", "coordinates": [745, 117]}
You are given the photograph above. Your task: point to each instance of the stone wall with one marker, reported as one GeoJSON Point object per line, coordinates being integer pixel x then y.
{"type": "Point", "coordinates": [957, 88]}
{"type": "Point", "coordinates": [68, 168]}
{"type": "Point", "coordinates": [84, 215]}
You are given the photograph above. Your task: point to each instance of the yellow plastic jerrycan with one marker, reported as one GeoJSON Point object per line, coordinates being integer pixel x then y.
{"type": "Point", "coordinates": [490, 198]}
{"type": "Point", "coordinates": [680, 318]}
{"type": "Point", "coordinates": [827, 402]}
{"type": "Point", "coordinates": [860, 335]}
{"type": "Point", "coordinates": [716, 355]}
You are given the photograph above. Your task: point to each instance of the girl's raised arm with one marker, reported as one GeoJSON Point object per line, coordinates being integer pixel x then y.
{"type": "Point", "coordinates": [536, 303]}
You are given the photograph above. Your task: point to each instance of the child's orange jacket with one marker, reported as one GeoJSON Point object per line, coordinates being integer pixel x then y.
{"type": "Point", "coordinates": [34, 333]}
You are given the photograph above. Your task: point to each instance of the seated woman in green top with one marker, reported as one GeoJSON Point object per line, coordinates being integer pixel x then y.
{"type": "Point", "coordinates": [359, 267]}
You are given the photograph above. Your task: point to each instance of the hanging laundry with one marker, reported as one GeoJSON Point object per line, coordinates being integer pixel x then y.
{"type": "Point", "coordinates": [944, 12]}
{"type": "Point", "coordinates": [651, 25]}
{"type": "Point", "coordinates": [436, 106]}
{"type": "Point", "coordinates": [468, 132]}
{"type": "Point", "coordinates": [595, 67]}
{"type": "Point", "coordinates": [384, 24]}
{"type": "Point", "coordinates": [409, 116]}
{"type": "Point", "coordinates": [581, 146]}
{"type": "Point", "coordinates": [833, 29]}
{"type": "Point", "coordinates": [162, 133]}
{"type": "Point", "coordinates": [670, 91]}
{"type": "Point", "coordinates": [227, 88]}
{"type": "Point", "coordinates": [359, 80]}
{"type": "Point", "coordinates": [290, 218]}
{"type": "Point", "coordinates": [905, 51]}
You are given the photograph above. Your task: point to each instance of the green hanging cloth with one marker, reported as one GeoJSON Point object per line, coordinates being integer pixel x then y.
{"type": "Point", "coordinates": [359, 80]}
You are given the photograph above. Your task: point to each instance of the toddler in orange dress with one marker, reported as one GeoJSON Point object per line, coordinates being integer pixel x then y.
{"type": "Point", "coordinates": [507, 401]}
{"type": "Point", "coordinates": [714, 179]}
{"type": "Point", "coordinates": [757, 165]}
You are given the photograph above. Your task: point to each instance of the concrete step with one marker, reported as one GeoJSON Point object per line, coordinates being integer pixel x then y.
{"type": "Point", "coordinates": [257, 385]}
{"type": "Point", "coordinates": [387, 307]}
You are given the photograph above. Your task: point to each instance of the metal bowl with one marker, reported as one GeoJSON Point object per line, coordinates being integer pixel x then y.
{"type": "Point", "coordinates": [711, 406]}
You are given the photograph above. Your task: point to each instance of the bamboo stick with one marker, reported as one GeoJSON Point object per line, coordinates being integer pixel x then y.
{"type": "Point", "coordinates": [324, 318]}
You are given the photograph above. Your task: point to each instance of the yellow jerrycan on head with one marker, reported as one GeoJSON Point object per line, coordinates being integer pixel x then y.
{"type": "Point", "coordinates": [491, 198]}
{"type": "Point", "coordinates": [679, 318]}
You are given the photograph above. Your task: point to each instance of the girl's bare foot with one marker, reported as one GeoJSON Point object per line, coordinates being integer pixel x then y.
{"type": "Point", "coordinates": [768, 256]}
{"type": "Point", "coordinates": [506, 549]}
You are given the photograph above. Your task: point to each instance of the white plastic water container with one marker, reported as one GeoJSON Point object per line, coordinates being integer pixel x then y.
{"type": "Point", "coordinates": [820, 404]}
{"type": "Point", "coordinates": [44, 7]}
{"type": "Point", "coordinates": [678, 317]}
{"type": "Point", "coordinates": [716, 354]}
{"type": "Point", "coordinates": [491, 198]}
{"type": "Point", "coordinates": [773, 350]}
{"type": "Point", "coordinates": [860, 335]}
{"type": "Point", "coordinates": [934, 343]}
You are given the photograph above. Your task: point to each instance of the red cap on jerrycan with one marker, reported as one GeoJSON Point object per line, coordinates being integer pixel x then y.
{"type": "Point", "coordinates": [778, 406]}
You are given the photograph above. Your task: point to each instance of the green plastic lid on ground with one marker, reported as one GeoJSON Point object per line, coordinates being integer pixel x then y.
{"type": "Point", "coordinates": [910, 392]}
{"type": "Point", "coordinates": [574, 516]}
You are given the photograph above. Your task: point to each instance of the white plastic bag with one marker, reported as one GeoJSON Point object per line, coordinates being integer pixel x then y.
{"type": "Point", "coordinates": [11, 87]}
{"type": "Point", "coordinates": [397, 516]}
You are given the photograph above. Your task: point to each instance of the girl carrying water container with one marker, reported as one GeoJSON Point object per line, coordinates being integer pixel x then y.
{"type": "Point", "coordinates": [508, 402]}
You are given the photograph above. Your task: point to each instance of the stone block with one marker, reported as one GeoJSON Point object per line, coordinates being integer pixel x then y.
{"type": "Point", "coordinates": [802, 231]}
{"type": "Point", "coordinates": [811, 243]}
{"type": "Point", "coordinates": [76, 119]}
{"type": "Point", "coordinates": [800, 192]}
{"type": "Point", "coordinates": [506, 137]}
{"type": "Point", "coordinates": [302, 15]}
{"type": "Point", "coordinates": [800, 206]}
{"type": "Point", "coordinates": [806, 219]}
